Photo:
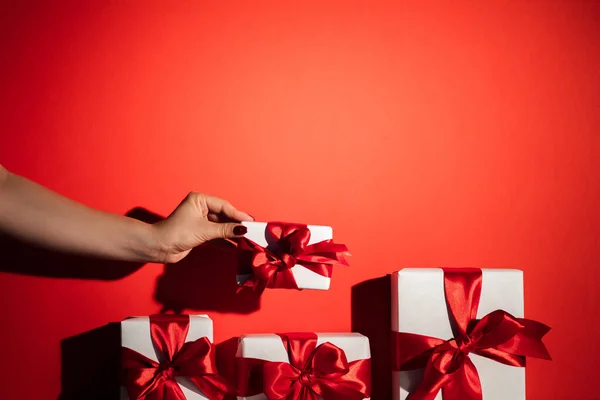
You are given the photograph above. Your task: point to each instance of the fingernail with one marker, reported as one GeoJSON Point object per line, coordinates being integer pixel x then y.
{"type": "Point", "coordinates": [252, 216]}
{"type": "Point", "coordinates": [240, 230]}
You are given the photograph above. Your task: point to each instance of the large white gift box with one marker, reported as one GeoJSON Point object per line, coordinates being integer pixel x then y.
{"type": "Point", "coordinates": [305, 278]}
{"type": "Point", "coordinates": [419, 307]}
{"type": "Point", "coordinates": [270, 347]}
{"type": "Point", "coordinates": [135, 334]}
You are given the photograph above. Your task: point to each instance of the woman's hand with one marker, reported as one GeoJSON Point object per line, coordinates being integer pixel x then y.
{"type": "Point", "coordinates": [35, 214]}
{"type": "Point", "coordinates": [198, 219]}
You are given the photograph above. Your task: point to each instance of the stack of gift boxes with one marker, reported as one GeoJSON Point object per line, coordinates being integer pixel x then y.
{"type": "Point", "coordinates": [457, 334]}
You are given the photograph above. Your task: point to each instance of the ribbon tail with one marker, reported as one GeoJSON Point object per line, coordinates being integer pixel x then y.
{"type": "Point", "coordinates": [526, 341]}
{"type": "Point", "coordinates": [321, 269]}
{"type": "Point", "coordinates": [325, 252]}
{"type": "Point", "coordinates": [464, 385]}
{"type": "Point", "coordinates": [283, 279]}
{"type": "Point", "coordinates": [138, 374]}
{"type": "Point", "coordinates": [532, 345]}
{"type": "Point", "coordinates": [438, 372]}
{"type": "Point", "coordinates": [280, 380]}
{"type": "Point", "coordinates": [167, 390]}
{"type": "Point", "coordinates": [355, 384]}
{"type": "Point", "coordinates": [246, 244]}
{"type": "Point", "coordinates": [411, 351]}
{"type": "Point", "coordinates": [247, 266]}
{"type": "Point", "coordinates": [197, 362]}
{"type": "Point", "coordinates": [214, 387]}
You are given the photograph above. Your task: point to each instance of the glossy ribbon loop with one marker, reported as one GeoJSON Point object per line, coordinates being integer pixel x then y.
{"type": "Point", "coordinates": [498, 336]}
{"type": "Point", "coordinates": [313, 373]}
{"type": "Point", "coordinates": [271, 266]}
{"type": "Point", "coordinates": [145, 379]}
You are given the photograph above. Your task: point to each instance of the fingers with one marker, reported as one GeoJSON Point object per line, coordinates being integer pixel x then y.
{"type": "Point", "coordinates": [220, 206]}
{"type": "Point", "coordinates": [219, 218]}
{"type": "Point", "coordinates": [228, 230]}
{"type": "Point", "coordinates": [212, 217]}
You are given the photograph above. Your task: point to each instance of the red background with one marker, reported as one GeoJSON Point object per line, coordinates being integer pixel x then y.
{"type": "Point", "coordinates": [425, 134]}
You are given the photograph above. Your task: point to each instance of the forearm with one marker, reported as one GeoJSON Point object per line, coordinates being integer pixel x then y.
{"type": "Point", "coordinates": [38, 215]}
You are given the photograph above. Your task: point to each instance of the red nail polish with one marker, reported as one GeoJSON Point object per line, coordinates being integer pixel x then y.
{"type": "Point", "coordinates": [240, 230]}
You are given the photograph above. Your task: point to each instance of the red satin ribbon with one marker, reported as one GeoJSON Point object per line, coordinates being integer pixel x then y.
{"type": "Point", "coordinates": [313, 373]}
{"type": "Point", "coordinates": [271, 267]}
{"type": "Point", "coordinates": [145, 379]}
{"type": "Point", "coordinates": [448, 368]}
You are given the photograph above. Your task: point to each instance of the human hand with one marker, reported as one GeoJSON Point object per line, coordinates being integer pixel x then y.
{"type": "Point", "coordinates": [198, 219]}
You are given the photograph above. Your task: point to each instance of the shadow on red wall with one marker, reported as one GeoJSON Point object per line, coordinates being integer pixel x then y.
{"type": "Point", "coordinates": [371, 313]}
{"type": "Point", "coordinates": [90, 364]}
{"type": "Point", "coordinates": [203, 281]}
{"type": "Point", "coordinates": [25, 259]}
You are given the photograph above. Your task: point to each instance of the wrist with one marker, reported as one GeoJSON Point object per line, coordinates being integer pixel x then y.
{"type": "Point", "coordinates": [150, 247]}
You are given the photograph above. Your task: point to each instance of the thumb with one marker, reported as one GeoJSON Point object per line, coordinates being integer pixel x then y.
{"type": "Point", "coordinates": [230, 230]}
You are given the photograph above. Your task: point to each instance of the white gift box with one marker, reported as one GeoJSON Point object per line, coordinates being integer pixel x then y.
{"type": "Point", "coordinates": [135, 334]}
{"type": "Point", "coordinates": [269, 347]}
{"type": "Point", "coordinates": [305, 278]}
{"type": "Point", "coordinates": [419, 306]}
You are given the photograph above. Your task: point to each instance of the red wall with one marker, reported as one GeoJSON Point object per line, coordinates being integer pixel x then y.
{"type": "Point", "coordinates": [426, 135]}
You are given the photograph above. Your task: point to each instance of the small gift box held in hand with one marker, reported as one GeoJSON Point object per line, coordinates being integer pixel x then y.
{"type": "Point", "coordinates": [170, 357]}
{"type": "Point", "coordinates": [289, 256]}
{"type": "Point", "coordinates": [458, 334]}
{"type": "Point", "coordinates": [304, 366]}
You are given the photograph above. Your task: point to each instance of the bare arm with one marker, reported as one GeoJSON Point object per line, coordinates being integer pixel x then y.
{"type": "Point", "coordinates": [38, 215]}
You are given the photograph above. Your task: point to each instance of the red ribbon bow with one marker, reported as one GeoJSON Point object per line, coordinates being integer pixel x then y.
{"type": "Point", "coordinates": [498, 336]}
{"type": "Point", "coordinates": [271, 267]}
{"type": "Point", "coordinates": [145, 379]}
{"type": "Point", "coordinates": [313, 373]}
